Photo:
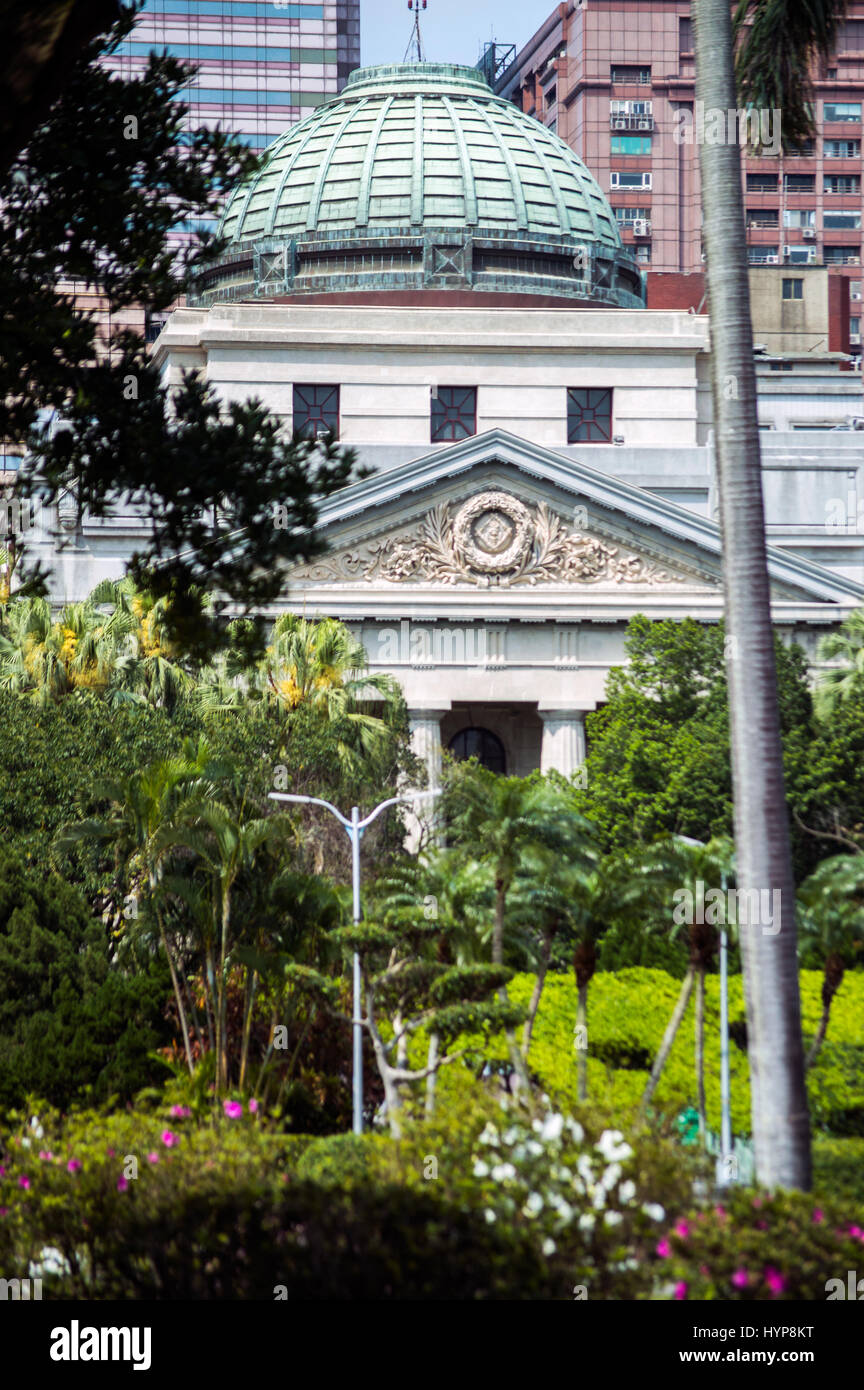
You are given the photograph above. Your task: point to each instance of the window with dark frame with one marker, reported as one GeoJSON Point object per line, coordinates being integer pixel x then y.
{"type": "Point", "coordinates": [793, 289]}
{"type": "Point", "coordinates": [454, 413]}
{"type": "Point", "coordinates": [483, 745]}
{"type": "Point", "coordinates": [316, 410]}
{"type": "Point", "coordinates": [589, 415]}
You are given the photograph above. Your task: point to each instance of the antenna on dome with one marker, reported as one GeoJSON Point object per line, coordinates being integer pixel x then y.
{"type": "Point", "coordinates": [415, 43]}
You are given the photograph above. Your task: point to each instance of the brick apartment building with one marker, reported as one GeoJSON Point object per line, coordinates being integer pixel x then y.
{"type": "Point", "coordinates": [612, 77]}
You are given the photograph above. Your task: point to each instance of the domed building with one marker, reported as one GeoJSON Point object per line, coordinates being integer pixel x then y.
{"type": "Point", "coordinates": [417, 179]}
{"type": "Point", "coordinates": [434, 278]}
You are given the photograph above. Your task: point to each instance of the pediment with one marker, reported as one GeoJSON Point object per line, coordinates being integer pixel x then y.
{"type": "Point", "coordinates": [488, 537]}
{"type": "Point", "coordinates": [496, 512]}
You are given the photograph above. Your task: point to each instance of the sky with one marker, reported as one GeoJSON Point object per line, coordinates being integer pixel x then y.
{"type": "Point", "coordinates": [454, 31]}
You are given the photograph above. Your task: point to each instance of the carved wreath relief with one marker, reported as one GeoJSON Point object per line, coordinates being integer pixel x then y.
{"type": "Point", "coordinates": [492, 539]}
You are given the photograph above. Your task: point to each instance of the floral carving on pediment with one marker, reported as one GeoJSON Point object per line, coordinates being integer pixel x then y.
{"type": "Point", "coordinates": [491, 540]}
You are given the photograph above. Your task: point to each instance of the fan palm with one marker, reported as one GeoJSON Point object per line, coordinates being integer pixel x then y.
{"type": "Point", "coordinates": [846, 646]}
{"type": "Point", "coordinates": [832, 927]}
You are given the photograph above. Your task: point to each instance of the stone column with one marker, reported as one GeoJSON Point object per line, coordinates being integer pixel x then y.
{"type": "Point", "coordinates": [563, 746]}
{"type": "Point", "coordinates": [425, 726]}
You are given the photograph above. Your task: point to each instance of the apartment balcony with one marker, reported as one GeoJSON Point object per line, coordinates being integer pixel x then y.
{"type": "Point", "coordinates": [624, 121]}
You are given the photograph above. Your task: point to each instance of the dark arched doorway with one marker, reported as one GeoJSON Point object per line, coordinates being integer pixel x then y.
{"type": "Point", "coordinates": [481, 744]}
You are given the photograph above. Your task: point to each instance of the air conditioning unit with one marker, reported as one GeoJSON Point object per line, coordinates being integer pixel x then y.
{"type": "Point", "coordinates": [619, 124]}
{"type": "Point", "coordinates": [856, 294]}
{"type": "Point", "coordinates": [641, 227]}
{"type": "Point", "coordinates": [646, 124]}
{"type": "Point", "coordinates": [855, 339]}
{"type": "Point", "coordinates": [852, 260]}
{"type": "Point", "coordinates": [769, 260]}
{"type": "Point", "coordinates": [808, 233]}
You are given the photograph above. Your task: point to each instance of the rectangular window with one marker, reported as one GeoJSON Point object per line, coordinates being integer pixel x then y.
{"type": "Point", "coordinates": [799, 217]}
{"type": "Point", "coordinates": [627, 215]}
{"type": "Point", "coordinates": [842, 255]}
{"type": "Point", "coordinates": [763, 255]}
{"type": "Point", "coordinates": [842, 183]}
{"type": "Point", "coordinates": [762, 217]}
{"type": "Point", "coordinates": [589, 415]}
{"type": "Point", "coordinates": [799, 183]}
{"type": "Point", "coordinates": [685, 34]}
{"type": "Point", "coordinates": [793, 289]}
{"type": "Point", "coordinates": [622, 72]}
{"type": "Point", "coordinates": [838, 220]}
{"type": "Point", "coordinates": [842, 149]}
{"type": "Point", "coordinates": [854, 324]}
{"type": "Point", "coordinates": [631, 144]}
{"type": "Point", "coordinates": [622, 179]}
{"type": "Point", "coordinates": [841, 111]}
{"type": "Point", "coordinates": [643, 252]}
{"type": "Point", "coordinates": [622, 106]}
{"type": "Point", "coordinates": [316, 411]}
{"type": "Point", "coordinates": [761, 183]}
{"type": "Point", "coordinates": [454, 413]}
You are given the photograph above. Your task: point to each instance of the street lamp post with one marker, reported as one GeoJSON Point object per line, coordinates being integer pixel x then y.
{"type": "Point", "coordinates": [355, 828]}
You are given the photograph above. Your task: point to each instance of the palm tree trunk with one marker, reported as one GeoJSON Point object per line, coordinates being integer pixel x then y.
{"type": "Point", "coordinates": [780, 1118]}
{"type": "Point", "coordinates": [181, 1012]}
{"type": "Point", "coordinates": [537, 993]}
{"type": "Point", "coordinates": [582, 1052]}
{"type": "Point", "coordinates": [668, 1038]}
{"type": "Point", "coordinates": [247, 1025]}
{"type": "Point", "coordinates": [498, 929]}
{"type": "Point", "coordinates": [431, 1079]}
{"type": "Point", "coordinates": [831, 982]}
{"type": "Point", "coordinates": [699, 1029]}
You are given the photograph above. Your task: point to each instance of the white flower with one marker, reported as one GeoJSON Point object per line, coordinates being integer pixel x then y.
{"type": "Point", "coordinates": [549, 1247]}
{"type": "Point", "coordinates": [611, 1176]}
{"type": "Point", "coordinates": [50, 1260]}
{"type": "Point", "coordinates": [534, 1205]}
{"type": "Point", "coordinates": [655, 1211]}
{"type": "Point", "coordinates": [510, 1135]}
{"type": "Point", "coordinates": [585, 1169]}
{"type": "Point", "coordinates": [627, 1191]}
{"type": "Point", "coordinates": [552, 1128]}
{"type": "Point", "coordinates": [37, 1128]}
{"type": "Point", "coordinates": [576, 1130]}
{"type": "Point", "coordinates": [489, 1134]}
{"type": "Point", "coordinates": [611, 1146]}
{"type": "Point", "coordinates": [587, 1221]}
{"type": "Point", "coordinates": [502, 1172]}
{"type": "Point", "coordinates": [533, 1148]}
{"type": "Point", "coordinates": [481, 1169]}
{"type": "Point", "coordinates": [613, 1218]}
{"type": "Point", "coordinates": [490, 1215]}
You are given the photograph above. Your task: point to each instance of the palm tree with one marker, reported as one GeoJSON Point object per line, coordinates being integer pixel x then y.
{"type": "Point", "coordinates": [847, 646]}
{"type": "Point", "coordinates": [773, 63]}
{"type": "Point", "coordinates": [501, 821]}
{"type": "Point", "coordinates": [832, 927]}
{"type": "Point", "coordinates": [145, 664]}
{"type": "Point", "coordinates": [680, 865]}
{"type": "Point", "coordinates": [143, 814]}
{"type": "Point", "coordinates": [224, 845]}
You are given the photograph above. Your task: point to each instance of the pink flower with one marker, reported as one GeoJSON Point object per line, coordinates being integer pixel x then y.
{"type": "Point", "coordinates": [681, 1290]}
{"type": "Point", "coordinates": [818, 1216]}
{"type": "Point", "coordinates": [856, 1231]}
{"type": "Point", "coordinates": [46, 1155]}
{"type": "Point", "coordinates": [720, 1213]}
{"type": "Point", "coordinates": [757, 1201]}
{"type": "Point", "coordinates": [24, 1181]}
{"type": "Point", "coordinates": [682, 1230]}
{"type": "Point", "coordinates": [2, 1171]}
{"type": "Point", "coordinates": [761, 1225]}
{"type": "Point", "coordinates": [664, 1249]}
{"type": "Point", "coordinates": [775, 1280]}
{"type": "Point", "coordinates": [122, 1183]}
{"type": "Point", "coordinates": [153, 1158]}
{"type": "Point", "coordinates": [110, 1153]}
{"type": "Point", "coordinates": [740, 1279]}
{"type": "Point", "coordinates": [253, 1107]}
{"type": "Point", "coordinates": [180, 1112]}
{"type": "Point", "coordinates": [168, 1138]}
{"type": "Point", "coordinates": [3, 1211]}
{"type": "Point", "coordinates": [233, 1109]}
{"type": "Point", "coordinates": [73, 1166]}
{"type": "Point", "coordinates": [704, 1271]}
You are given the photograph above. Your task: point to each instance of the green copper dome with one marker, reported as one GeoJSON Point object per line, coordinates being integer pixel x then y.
{"type": "Point", "coordinates": [416, 177]}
